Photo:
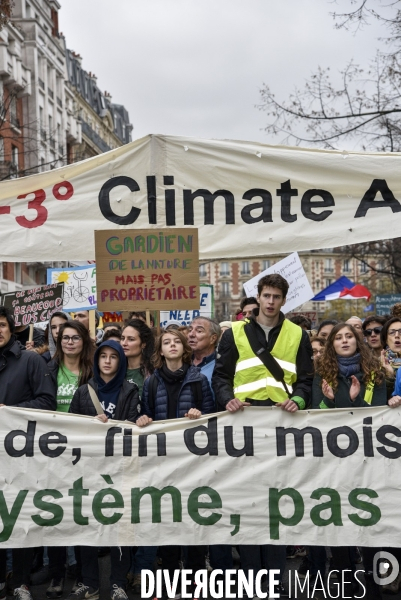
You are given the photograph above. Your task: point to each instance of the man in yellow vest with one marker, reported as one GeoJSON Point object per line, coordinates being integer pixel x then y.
{"type": "Point", "coordinates": [241, 378]}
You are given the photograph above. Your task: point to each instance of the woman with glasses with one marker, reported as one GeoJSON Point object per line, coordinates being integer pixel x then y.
{"type": "Point", "coordinates": [371, 329]}
{"type": "Point", "coordinates": [70, 368]}
{"type": "Point", "coordinates": [391, 355]}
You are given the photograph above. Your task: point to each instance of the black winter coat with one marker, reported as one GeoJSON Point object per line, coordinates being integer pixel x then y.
{"type": "Point", "coordinates": [341, 396]}
{"type": "Point", "coordinates": [128, 405]}
{"type": "Point", "coordinates": [25, 380]}
{"type": "Point", "coordinates": [227, 357]}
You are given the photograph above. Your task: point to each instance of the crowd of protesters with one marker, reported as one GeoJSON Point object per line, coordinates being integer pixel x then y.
{"type": "Point", "coordinates": [128, 372]}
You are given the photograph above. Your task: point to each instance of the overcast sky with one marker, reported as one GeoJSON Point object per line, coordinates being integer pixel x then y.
{"type": "Point", "coordinates": [195, 67]}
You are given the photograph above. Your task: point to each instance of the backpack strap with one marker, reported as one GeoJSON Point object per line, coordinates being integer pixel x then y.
{"type": "Point", "coordinates": [95, 400]}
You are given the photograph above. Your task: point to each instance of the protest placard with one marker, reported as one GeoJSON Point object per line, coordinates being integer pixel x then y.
{"type": "Point", "coordinates": [35, 305]}
{"type": "Point", "coordinates": [147, 269]}
{"type": "Point", "coordinates": [292, 270]}
{"type": "Point", "coordinates": [79, 286]}
{"type": "Point", "coordinates": [385, 302]}
{"type": "Point", "coordinates": [185, 317]}
{"type": "Point", "coordinates": [263, 477]}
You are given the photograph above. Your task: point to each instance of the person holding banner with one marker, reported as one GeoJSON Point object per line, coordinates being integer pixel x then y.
{"type": "Point", "coordinates": [347, 375]}
{"type": "Point", "coordinates": [176, 389]}
{"type": "Point", "coordinates": [25, 382]}
{"type": "Point", "coordinates": [264, 361]}
{"type": "Point", "coordinates": [137, 341]}
{"type": "Point", "coordinates": [71, 367]}
{"type": "Point", "coordinates": [106, 396]}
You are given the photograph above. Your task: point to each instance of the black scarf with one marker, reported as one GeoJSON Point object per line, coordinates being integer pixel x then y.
{"type": "Point", "coordinates": [173, 382]}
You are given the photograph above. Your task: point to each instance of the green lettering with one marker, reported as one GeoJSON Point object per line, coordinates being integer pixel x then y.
{"type": "Point", "coordinates": [53, 509]}
{"type": "Point", "coordinates": [112, 247]}
{"type": "Point", "coordinates": [98, 505]}
{"type": "Point", "coordinates": [375, 512]}
{"type": "Point", "coordinates": [128, 244]}
{"type": "Point", "coordinates": [194, 505]}
{"type": "Point", "coordinates": [169, 240]}
{"type": "Point", "coordinates": [274, 510]}
{"type": "Point", "coordinates": [185, 246]}
{"type": "Point", "coordinates": [77, 492]}
{"type": "Point", "coordinates": [156, 496]}
{"type": "Point", "coordinates": [152, 247]}
{"type": "Point", "coordinates": [334, 504]}
{"type": "Point", "coordinates": [140, 243]}
{"type": "Point", "coordinates": [9, 518]}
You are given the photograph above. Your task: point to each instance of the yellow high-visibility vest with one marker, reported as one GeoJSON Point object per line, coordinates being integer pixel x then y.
{"type": "Point", "coordinates": [252, 379]}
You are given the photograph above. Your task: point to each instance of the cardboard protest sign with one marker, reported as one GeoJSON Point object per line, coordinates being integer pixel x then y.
{"type": "Point", "coordinates": [185, 317]}
{"type": "Point", "coordinates": [270, 477]}
{"type": "Point", "coordinates": [292, 270]}
{"type": "Point", "coordinates": [147, 269]}
{"type": "Point", "coordinates": [35, 305]}
{"type": "Point", "coordinates": [385, 302]}
{"type": "Point", "coordinates": [79, 286]}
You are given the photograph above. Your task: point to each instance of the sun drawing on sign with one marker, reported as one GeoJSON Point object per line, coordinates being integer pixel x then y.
{"type": "Point", "coordinates": [63, 277]}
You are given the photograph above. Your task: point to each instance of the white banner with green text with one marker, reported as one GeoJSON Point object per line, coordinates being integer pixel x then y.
{"type": "Point", "coordinates": [254, 477]}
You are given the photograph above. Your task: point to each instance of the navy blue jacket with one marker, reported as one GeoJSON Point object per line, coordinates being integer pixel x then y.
{"type": "Point", "coordinates": [186, 399]}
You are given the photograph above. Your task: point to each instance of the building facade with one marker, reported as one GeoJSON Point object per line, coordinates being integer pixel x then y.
{"type": "Point", "coordinates": [322, 268]}
{"type": "Point", "coordinates": [52, 112]}
{"type": "Point", "coordinates": [104, 125]}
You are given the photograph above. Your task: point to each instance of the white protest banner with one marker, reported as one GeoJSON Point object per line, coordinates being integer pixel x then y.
{"type": "Point", "coordinates": [79, 286]}
{"type": "Point", "coordinates": [292, 270]}
{"type": "Point", "coordinates": [322, 477]}
{"type": "Point", "coordinates": [245, 198]}
{"type": "Point", "coordinates": [185, 317]}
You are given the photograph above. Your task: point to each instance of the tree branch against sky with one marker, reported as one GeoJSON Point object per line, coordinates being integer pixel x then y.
{"type": "Point", "coordinates": [362, 107]}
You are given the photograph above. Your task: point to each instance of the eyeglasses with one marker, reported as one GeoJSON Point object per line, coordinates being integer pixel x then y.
{"type": "Point", "coordinates": [72, 338]}
{"type": "Point", "coordinates": [376, 330]}
{"type": "Point", "coordinates": [392, 332]}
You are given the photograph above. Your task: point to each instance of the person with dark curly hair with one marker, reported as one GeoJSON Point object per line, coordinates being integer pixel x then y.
{"type": "Point", "coordinates": [137, 342]}
{"type": "Point", "coordinates": [347, 373]}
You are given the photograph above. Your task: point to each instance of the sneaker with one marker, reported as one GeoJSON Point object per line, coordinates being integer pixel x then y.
{"type": "Point", "coordinates": [117, 593]}
{"type": "Point", "coordinates": [136, 583]}
{"type": "Point", "coordinates": [23, 593]}
{"type": "Point", "coordinates": [55, 589]}
{"type": "Point", "coordinates": [304, 567]}
{"type": "Point", "coordinates": [3, 592]}
{"type": "Point", "coordinates": [83, 592]}
{"type": "Point", "coordinates": [76, 585]}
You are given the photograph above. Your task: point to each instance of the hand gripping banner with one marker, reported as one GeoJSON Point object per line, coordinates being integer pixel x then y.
{"type": "Point", "coordinates": [259, 476]}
